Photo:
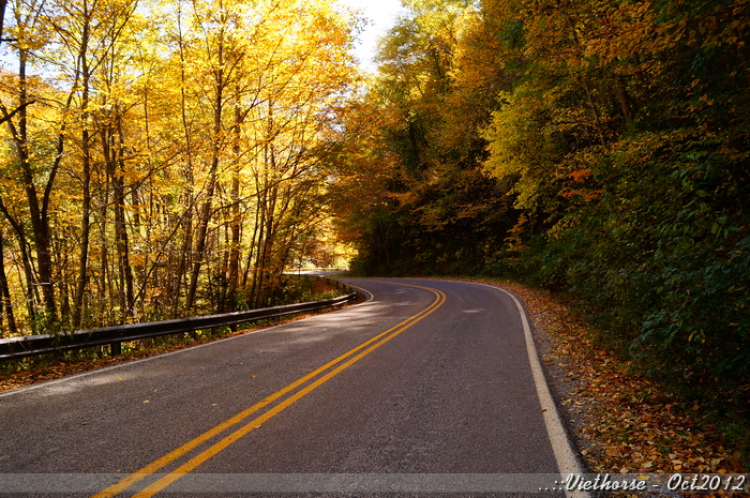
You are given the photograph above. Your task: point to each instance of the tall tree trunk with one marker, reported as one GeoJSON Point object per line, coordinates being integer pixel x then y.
{"type": "Point", "coordinates": [107, 288]}
{"type": "Point", "coordinates": [3, 5]}
{"type": "Point", "coordinates": [5, 301]}
{"type": "Point", "coordinates": [83, 262]}
{"type": "Point", "coordinates": [38, 215]}
{"type": "Point", "coordinates": [259, 239]}
{"type": "Point", "coordinates": [121, 231]}
{"type": "Point", "coordinates": [236, 219]}
{"type": "Point", "coordinates": [32, 297]}
{"type": "Point", "coordinates": [251, 251]}
{"type": "Point", "coordinates": [624, 100]}
{"type": "Point", "coordinates": [205, 214]}
{"type": "Point", "coordinates": [201, 236]}
{"type": "Point", "coordinates": [186, 220]}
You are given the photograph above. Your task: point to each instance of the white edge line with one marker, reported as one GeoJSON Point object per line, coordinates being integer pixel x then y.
{"type": "Point", "coordinates": [365, 291]}
{"type": "Point", "coordinates": [567, 461]}
{"type": "Point", "coordinates": [67, 378]}
{"type": "Point", "coordinates": [564, 454]}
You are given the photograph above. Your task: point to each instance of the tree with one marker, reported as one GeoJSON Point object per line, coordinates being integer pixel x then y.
{"type": "Point", "coordinates": [6, 304]}
{"type": "Point", "coordinates": [27, 18]}
{"type": "Point", "coordinates": [624, 138]}
{"type": "Point", "coordinates": [427, 148]}
{"type": "Point", "coordinates": [137, 208]}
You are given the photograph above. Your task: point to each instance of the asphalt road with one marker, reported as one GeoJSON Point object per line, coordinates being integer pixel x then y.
{"type": "Point", "coordinates": [426, 389]}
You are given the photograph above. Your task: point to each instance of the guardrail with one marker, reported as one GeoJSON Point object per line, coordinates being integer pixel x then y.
{"type": "Point", "coordinates": [21, 347]}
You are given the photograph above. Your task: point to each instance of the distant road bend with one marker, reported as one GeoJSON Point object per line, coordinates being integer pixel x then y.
{"type": "Point", "coordinates": [429, 388]}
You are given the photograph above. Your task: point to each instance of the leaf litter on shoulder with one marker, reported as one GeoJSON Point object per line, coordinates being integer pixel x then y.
{"type": "Point", "coordinates": [629, 423]}
{"type": "Point", "coordinates": [622, 422]}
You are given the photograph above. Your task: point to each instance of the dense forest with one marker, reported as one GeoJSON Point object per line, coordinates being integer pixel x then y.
{"type": "Point", "coordinates": [597, 148]}
{"type": "Point", "coordinates": [163, 158]}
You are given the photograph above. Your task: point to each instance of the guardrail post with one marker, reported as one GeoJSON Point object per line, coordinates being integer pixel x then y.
{"type": "Point", "coordinates": [115, 348]}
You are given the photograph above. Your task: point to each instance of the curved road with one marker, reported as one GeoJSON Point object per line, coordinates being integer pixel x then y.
{"type": "Point", "coordinates": [426, 388]}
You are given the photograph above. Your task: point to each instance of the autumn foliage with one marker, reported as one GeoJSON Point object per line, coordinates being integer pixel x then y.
{"type": "Point", "coordinates": [162, 158]}
{"type": "Point", "coordinates": [597, 148]}
{"type": "Point", "coordinates": [170, 157]}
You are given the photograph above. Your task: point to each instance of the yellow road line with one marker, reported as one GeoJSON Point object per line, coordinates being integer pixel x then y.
{"type": "Point", "coordinates": [216, 448]}
{"type": "Point", "coordinates": [254, 424]}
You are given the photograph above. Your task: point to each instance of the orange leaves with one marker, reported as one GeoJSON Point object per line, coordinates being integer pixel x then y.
{"type": "Point", "coordinates": [580, 175]}
{"type": "Point", "coordinates": [588, 195]}
{"type": "Point", "coordinates": [623, 32]}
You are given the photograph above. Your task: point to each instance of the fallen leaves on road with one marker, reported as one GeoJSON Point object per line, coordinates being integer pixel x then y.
{"type": "Point", "coordinates": [622, 422]}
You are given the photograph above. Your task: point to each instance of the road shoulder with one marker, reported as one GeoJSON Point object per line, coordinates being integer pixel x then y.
{"type": "Point", "coordinates": [620, 422]}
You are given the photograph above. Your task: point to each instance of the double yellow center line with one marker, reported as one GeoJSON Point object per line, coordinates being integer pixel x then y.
{"type": "Point", "coordinates": [344, 361]}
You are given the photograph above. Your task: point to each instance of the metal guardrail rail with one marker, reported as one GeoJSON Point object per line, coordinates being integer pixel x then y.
{"type": "Point", "coordinates": [21, 347]}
